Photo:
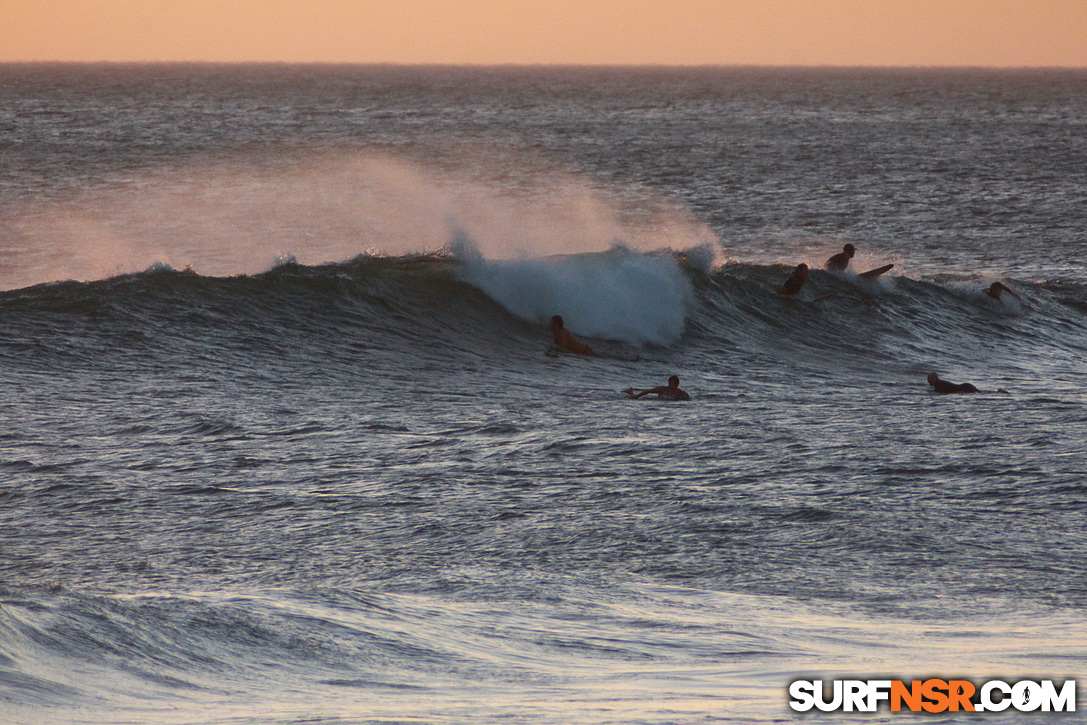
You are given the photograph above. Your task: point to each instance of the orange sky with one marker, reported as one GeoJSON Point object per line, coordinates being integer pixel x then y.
{"type": "Point", "coordinates": [672, 32]}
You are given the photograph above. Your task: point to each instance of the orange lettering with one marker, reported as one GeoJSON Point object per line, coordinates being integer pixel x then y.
{"type": "Point", "coordinates": [961, 691]}
{"type": "Point", "coordinates": [932, 690]}
{"type": "Point", "coordinates": [912, 696]}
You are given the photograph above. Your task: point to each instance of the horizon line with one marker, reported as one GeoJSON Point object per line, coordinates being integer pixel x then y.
{"type": "Point", "coordinates": [504, 65]}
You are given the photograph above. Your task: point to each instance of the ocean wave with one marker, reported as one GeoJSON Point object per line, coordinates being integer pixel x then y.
{"type": "Point", "coordinates": [456, 304]}
{"type": "Point", "coordinates": [621, 295]}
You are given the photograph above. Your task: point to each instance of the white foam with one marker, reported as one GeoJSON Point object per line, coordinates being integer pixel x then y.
{"type": "Point", "coordinates": [619, 295]}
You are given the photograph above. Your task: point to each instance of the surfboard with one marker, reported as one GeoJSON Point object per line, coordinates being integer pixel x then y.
{"type": "Point", "coordinates": [875, 272]}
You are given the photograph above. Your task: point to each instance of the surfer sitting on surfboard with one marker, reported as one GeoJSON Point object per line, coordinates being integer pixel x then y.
{"type": "Point", "coordinates": [566, 340]}
{"type": "Point", "coordinates": [671, 391]}
{"type": "Point", "coordinates": [840, 262]}
{"type": "Point", "coordinates": [795, 282]}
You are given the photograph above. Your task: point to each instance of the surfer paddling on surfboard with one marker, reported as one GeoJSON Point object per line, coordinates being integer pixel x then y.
{"type": "Point", "coordinates": [944, 387]}
{"type": "Point", "coordinates": [671, 391]}
{"type": "Point", "coordinates": [996, 289]}
{"type": "Point", "coordinates": [840, 262]}
{"type": "Point", "coordinates": [795, 282]}
{"type": "Point", "coordinates": [565, 339]}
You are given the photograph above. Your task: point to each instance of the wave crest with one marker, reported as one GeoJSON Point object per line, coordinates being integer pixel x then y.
{"type": "Point", "coordinates": [618, 295]}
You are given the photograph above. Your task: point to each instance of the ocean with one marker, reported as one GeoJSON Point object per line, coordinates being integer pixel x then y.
{"type": "Point", "coordinates": [284, 437]}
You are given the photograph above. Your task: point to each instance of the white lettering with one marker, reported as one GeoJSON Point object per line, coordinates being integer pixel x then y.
{"type": "Point", "coordinates": [855, 696]}
{"type": "Point", "coordinates": [803, 694]}
{"type": "Point", "coordinates": [987, 701]}
{"type": "Point", "coordinates": [836, 700]}
{"type": "Point", "coordinates": [878, 690]}
{"type": "Point", "coordinates": [1064, 701]}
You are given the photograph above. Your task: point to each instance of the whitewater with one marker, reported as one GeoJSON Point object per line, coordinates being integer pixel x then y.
{"type": "Point", "coordinates": [285, 437]}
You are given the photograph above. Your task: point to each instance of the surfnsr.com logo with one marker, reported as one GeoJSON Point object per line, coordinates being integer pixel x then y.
{"type": "Point", "coordinates": [932, 695]}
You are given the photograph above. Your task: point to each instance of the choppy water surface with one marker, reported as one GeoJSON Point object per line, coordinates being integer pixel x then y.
{"type": "Point", "coordinates": [285, 440]}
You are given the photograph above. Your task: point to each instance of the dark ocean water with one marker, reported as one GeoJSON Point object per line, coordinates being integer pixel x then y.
{"type": "Point", "coordinates": [284, 438]}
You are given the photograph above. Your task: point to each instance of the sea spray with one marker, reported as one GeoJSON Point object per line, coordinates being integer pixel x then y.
{"type": "Point", "coordinates": [239, 216]}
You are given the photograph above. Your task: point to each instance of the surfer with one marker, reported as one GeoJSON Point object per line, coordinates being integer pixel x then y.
{"type": "Point", "coordinates": [795, 282]}
{"type": "Point", "coordinates": [840, 260]}
{"type": "Point", "coordinates": [671, 391]}
{"type": "Point", "coordinates": [566, 340]}
{"type": "Point", "coordinates": [944, 387]}
{"type": "Point", "coordinates": [996, 289]}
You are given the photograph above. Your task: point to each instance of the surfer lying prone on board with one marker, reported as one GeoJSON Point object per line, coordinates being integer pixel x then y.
{"type": "Point", "coordinates": [796, 280]}
{"type": "Point", "coordinates": [566, 340]}
{"type": "Point", "coordinates": [943, 387]}
{"type": "Point", "coordinates": [671, 391]}
{"type": "Point", "coordinates": [996, 289]}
